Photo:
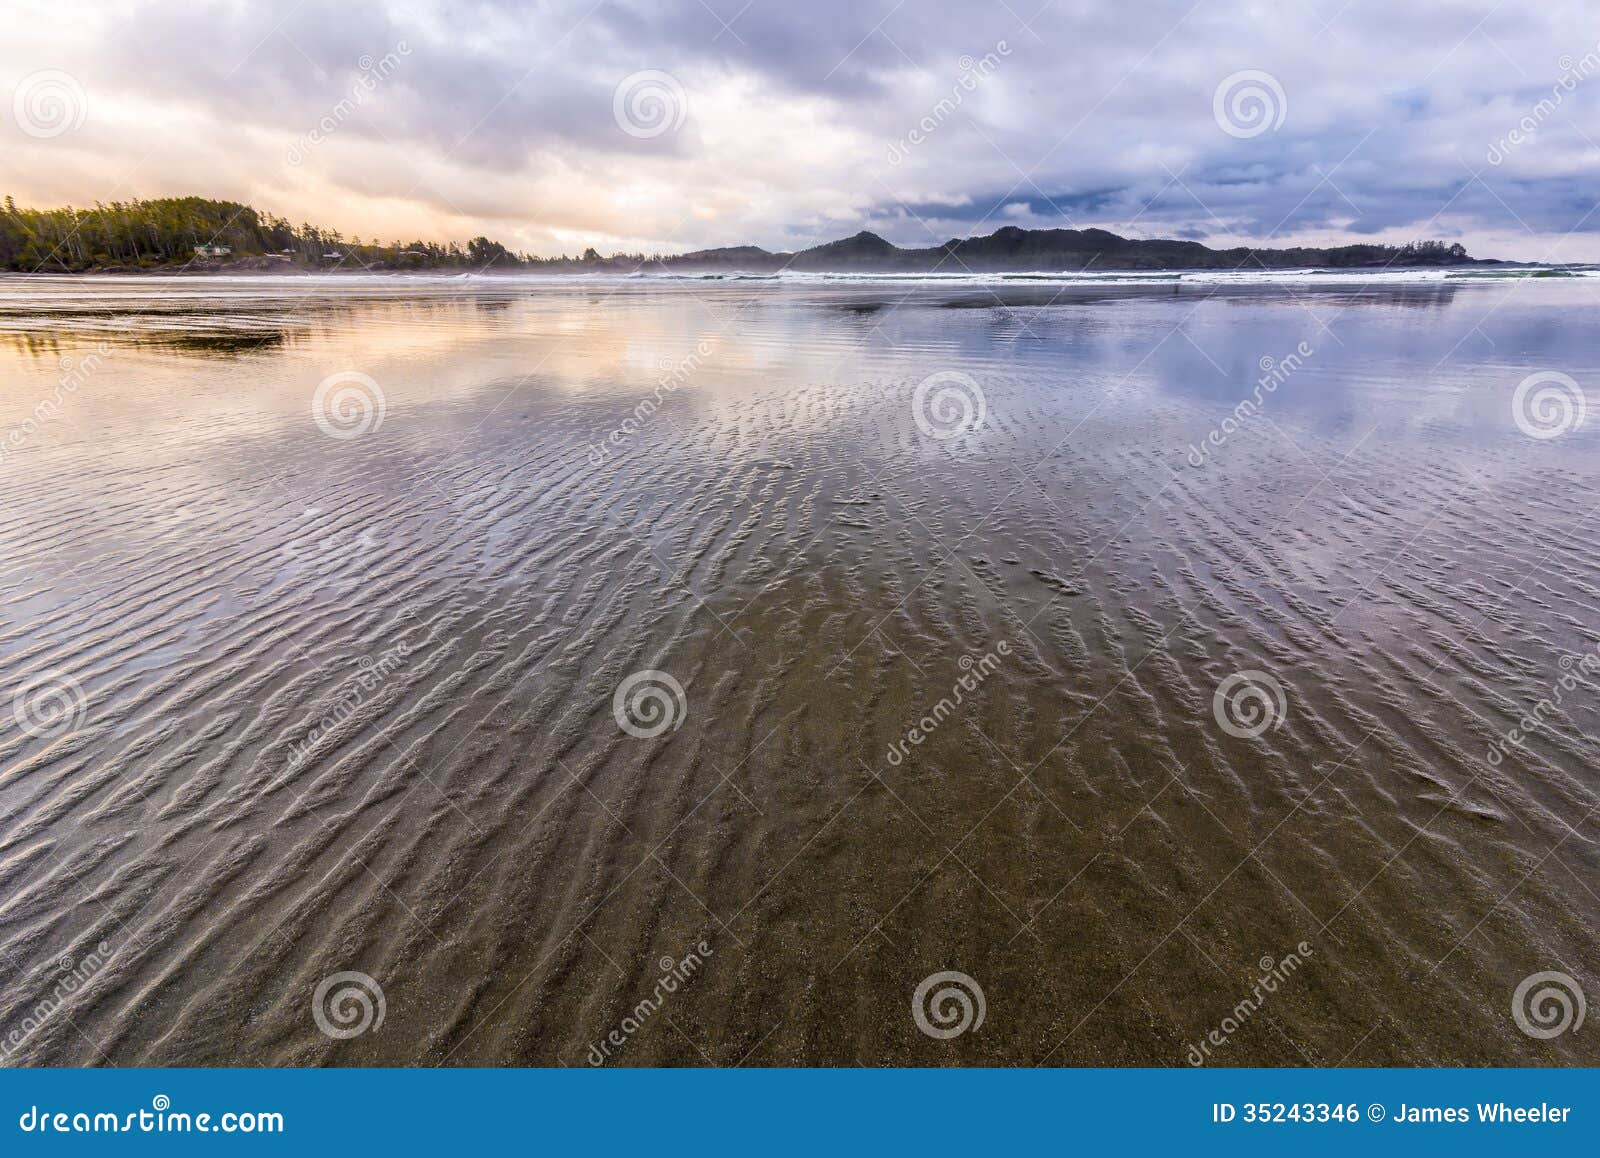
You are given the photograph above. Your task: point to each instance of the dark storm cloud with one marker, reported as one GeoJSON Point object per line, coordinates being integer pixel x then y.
{"type": "Point", "coordinates": [1384, 118]}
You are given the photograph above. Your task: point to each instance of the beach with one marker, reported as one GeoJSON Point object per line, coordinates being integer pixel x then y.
{"type": "Point", "coordinates": [1159, 658]}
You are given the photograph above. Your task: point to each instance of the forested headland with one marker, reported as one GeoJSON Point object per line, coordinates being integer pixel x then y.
{"type": "Point", "coordinates": [165, 234]}
{"type": "Point", "coordinates": [201, 235]}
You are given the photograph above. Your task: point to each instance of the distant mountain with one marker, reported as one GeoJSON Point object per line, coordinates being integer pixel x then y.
{"type": "Point", "coordinates": [733, 255]}
{"type": "Point", "coordinates": [863, 251]}
{"type": "Point", "coordinates": [1052, 250]}
{"type": "Point", "coordinates": [200, 235]}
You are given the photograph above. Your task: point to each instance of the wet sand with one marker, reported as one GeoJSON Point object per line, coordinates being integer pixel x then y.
{"type": "Point", "coordinates": [460, 589]}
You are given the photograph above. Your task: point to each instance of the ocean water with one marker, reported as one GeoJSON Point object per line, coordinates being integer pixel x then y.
{"type": "Point", "coordinates": [480, 671]}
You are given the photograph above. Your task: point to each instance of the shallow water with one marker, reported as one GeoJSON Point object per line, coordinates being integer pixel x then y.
{"type": "Point", "coordinates": [288, 693]}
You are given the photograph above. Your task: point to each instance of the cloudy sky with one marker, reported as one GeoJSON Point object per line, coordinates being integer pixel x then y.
{"type": "Point", "coordinates": [668, 125]}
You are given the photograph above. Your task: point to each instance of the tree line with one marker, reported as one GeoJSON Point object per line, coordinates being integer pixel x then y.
{"type": "Point", "coordinates": [164, 232]}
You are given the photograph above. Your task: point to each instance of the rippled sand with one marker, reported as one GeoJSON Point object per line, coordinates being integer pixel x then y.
{"type": "Point", "coordinates": [196, 576]}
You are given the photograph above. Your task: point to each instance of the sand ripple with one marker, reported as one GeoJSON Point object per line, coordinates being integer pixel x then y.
{"type": "Point", "coordinates": [451, 601]}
